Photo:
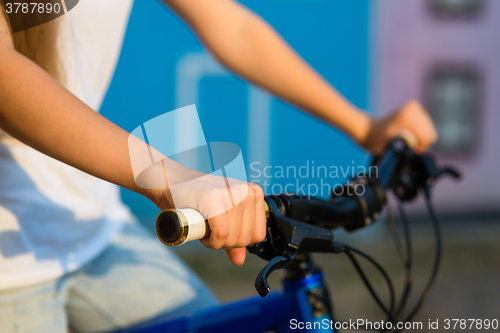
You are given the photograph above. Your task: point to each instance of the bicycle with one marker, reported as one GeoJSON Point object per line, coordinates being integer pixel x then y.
{"type": "Point", "coordinates": [298, 226]}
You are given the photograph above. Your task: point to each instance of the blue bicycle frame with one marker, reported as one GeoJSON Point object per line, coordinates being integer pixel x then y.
{"type": "Point", "coordinates": [295, 308]}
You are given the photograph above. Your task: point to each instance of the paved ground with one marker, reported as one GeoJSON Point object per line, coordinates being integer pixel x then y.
{"type": "Point", "coordinates": [468, 285]}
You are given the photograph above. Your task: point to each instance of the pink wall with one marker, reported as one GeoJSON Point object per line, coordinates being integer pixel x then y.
{"type": "Point", "coordinates": [407, 42]}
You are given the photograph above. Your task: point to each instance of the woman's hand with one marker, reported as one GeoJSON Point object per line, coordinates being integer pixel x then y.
{"type": "Point", "coordinates": [410, 117]}
{"type": "Point", "coordinates": [235, 213]}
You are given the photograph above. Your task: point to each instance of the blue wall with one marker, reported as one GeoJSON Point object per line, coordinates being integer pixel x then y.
{"type": "Point", "coordinates": [332, 35]}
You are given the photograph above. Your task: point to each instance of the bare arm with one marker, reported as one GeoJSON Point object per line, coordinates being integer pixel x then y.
{"type": "Point", "coordinates": [35, 109]}
{"type": "Point", "coordinates": [38, 111]}
{"type": "Point", "coordinates": [246, 44]}
{"type": "Point", "coordinates": [249, 46]}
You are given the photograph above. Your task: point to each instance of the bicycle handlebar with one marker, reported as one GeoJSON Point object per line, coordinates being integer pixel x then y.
{"type": "Point", "coordinates": [177, 226]}
{"type": "Point", "coordinates": [299, 225]}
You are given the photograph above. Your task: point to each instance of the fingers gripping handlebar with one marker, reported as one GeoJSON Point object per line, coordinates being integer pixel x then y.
{"type": "Point", "coordinates": [351, 211]}
{"type": "Point", "coordinates": [399, 169]}
{"type": "Point", "coordinates": [297, 225]}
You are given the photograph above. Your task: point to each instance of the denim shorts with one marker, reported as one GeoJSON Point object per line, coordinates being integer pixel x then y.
{"type": "Point", "coordinates": [136, 280]}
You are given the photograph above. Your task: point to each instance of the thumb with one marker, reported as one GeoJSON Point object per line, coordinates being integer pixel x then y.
{"type": "Point", "coordinates": [237, 256]}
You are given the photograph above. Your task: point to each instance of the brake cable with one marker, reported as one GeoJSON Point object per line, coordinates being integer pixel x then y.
{"type": "Point", "coordinates": [407, 262]}
{"type": "Point", "coordinates": [350, 252]}
{"type": "Point", "coordinates": [407, 256]}
{"type": "Point", "coordinates": [437, 259]}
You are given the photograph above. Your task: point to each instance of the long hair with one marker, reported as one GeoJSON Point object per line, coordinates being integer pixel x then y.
{"type": "Point", "coordinates": [40, 44]}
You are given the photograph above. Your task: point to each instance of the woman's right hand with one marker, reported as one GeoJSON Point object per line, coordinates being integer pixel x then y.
{"type": "Point", "coordinates": [234, 210]}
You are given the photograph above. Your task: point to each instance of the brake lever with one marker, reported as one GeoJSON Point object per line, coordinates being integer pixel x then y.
{"type": "Point", "coordinates": [285, 239]}
{"type": "Point", "coordinates": [450, 171]}
{"type": "Point", "coordinates": [261, 284]}
{"type": "Point", "coordinates": [432, 173]}
{"type": "Point", "coordinates": [420, 172]}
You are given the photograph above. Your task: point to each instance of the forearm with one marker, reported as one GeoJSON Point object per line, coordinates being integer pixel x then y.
{"type": "Point", "coordinates": [35, 109]}
{"type": "Point", "coordinates": [250, 47]}
{"type": "Point", "coordinates": [267, 60]}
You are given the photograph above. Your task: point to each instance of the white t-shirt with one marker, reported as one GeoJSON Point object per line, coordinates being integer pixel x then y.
{"type": "Point", "coordinates": [53, 217]}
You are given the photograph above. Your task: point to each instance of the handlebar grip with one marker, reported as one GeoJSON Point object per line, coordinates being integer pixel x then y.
{"type": "Point", "coordinates": [410, 138]}
{"type": "Point", "coordinates": [178, 226]}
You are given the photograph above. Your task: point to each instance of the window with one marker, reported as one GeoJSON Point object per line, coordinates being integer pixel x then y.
{"type": "Point", "coordinates": [453, 99]}
{"type": "Point", "coordinates": [456, 8]}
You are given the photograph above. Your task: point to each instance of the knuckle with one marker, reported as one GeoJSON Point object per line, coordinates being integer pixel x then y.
{"type": "Point", "coordinates": [245, 239]}
{"type": "Point", "coordinates": [258, 192]}
{"type": "Point", "coordinates": [211, 244]}
{"type": "Point", "coordinates": [239, 192]}
{"type": "Point", "coordinates": [220, 234]}
{"type": "Point", "coordinates": [231, 242]}
{"type": "Point", "coordinates": [259, 235]}
{"type": "Point", "coordinates": [242, 242]}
